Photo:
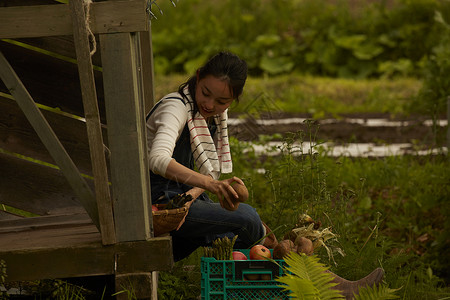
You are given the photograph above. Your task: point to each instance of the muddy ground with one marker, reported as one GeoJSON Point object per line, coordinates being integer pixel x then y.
{"type": "Point", "coordinates": [410, 130]}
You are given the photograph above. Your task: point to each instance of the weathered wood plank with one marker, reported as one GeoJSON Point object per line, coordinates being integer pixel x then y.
{"type": "Point", "coordinates": [61, 45]}
{"type": "Point", "coordinates": [51, 81]}
{"type": "Point", "coordinates": [49, 138]}
{"type": "Point", "coordinates": [84, 256]}
{"type": "Point", "coordinates": [99, 168]}
{"type": "Point", "coordinates": [49, 237]}
{"type": "Point", "coordinates": [44, 222]}
{"type": "Point", "coordinates": [126, 136]}
{"type": "Point", "coordinates": [8, 3]}
{"type": "Point", "coordinates": [6, 216]}
{"type": "Point", "coordinates": [53, 20]}
{"type": "Point", "coordinates": [18, 136]}
{"type": "Point", "coordinates": [148, 78]}
{"type": "Point", "coordinates": [36, 188]}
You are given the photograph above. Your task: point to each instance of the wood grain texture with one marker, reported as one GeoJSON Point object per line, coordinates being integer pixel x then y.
{"type": "Point", "coordinates": [18, 136]}
{"type": "Point", "coordinates": [49, 138]}
{"type": "Point", "coordinates": [126, 136]}
{"type": "Point", "coordinates": [54, 20]}
{"type": "Point", "coordinates": [36, 188]}
{"type": "Point", "coordinates": [61, 45]}
{"type": "Point", "coordinates": [75, 251]}
{"type": "Point", "coordinates": [6, 216]}
{"type": "Point", "coordinates": [92, 117]}
{"type": "Point", "coordinates": [50, 81]}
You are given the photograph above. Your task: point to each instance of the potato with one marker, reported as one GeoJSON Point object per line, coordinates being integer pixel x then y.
{"type": "Point", "coordinates": [284, 248]}
{"type": "Point", "coordinates": [242, 192]}
{"type": "Point", "coordinates": [291, 235]}
{"type": "Point", "coordinates": [304, 245]}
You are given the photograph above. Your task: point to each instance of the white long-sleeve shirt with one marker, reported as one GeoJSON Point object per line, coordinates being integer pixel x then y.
{"type": "Point", "coordinates": [164, 127]}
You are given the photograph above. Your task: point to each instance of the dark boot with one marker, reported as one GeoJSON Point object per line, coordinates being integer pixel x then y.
{"type": "Point", "coordinates": [271, 240]}
{"type": "Point", "coordinates": [347, 287]}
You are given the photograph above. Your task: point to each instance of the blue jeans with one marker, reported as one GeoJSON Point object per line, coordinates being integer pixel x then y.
{"type": "Point", "coordinates": [207, 221]}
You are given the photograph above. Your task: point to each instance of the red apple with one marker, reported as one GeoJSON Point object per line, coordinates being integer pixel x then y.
{"type": "Point", "coordinates": [259, 252]}
{"type": "Point", "coordinates": [154, 207]}
{"type": "Point", "coordinates": [238, 255]}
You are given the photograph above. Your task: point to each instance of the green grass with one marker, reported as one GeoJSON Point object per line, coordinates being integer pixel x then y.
{"type": "Point", "coordinates": [318, 96]}
{"type": "Point", "coordinates": [387, 212]}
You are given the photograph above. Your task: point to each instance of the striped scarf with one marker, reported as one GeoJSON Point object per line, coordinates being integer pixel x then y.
{"type": "Point", "coordinates": [212, 157]}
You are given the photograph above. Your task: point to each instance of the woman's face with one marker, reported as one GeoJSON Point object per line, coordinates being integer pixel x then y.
{"type": "Point", "coordinates": [213, 96]}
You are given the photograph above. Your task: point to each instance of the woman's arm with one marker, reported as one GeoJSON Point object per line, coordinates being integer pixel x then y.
{"type": "Point", "coordinates": [222, 188]}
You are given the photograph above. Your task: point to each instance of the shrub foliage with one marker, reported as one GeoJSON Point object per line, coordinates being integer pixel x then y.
{"type": "Point", "coordinates": [320, 37]}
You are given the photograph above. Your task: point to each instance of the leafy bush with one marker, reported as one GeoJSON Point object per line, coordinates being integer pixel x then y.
{"type": "Point", "coordinates": [436, 88]}
{"type": "Point", "coordinates": [319, 37]}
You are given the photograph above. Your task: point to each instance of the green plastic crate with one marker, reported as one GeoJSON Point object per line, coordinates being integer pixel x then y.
{"type": "Point", "coordinates": [241, 279]}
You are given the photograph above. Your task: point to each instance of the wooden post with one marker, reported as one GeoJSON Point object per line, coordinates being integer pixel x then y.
{"type": "Point", "coordinates": [126, 136]}
{"type": "Point", "coordinates": [124, 90]}
{"type": "Point", "coordinates": [49, 138]}
{"type": "Point", "coordinates": [92, 116]}
{"type": "Point", "coordinates": [148, 77]}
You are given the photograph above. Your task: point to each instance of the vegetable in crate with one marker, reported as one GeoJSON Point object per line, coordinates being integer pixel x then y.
{"type": "Point", "coordinates": [221, 249]}
{"type": "Point", "coordinates": [259, 252]}
{"type": "Point", "coordinates": [238, 255]}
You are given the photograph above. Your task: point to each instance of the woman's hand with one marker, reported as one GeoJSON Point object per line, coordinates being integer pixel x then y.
{"type": "Point", "coordinates": [222, 188]}
{"type": "Point", "coordinates": [224, 191]}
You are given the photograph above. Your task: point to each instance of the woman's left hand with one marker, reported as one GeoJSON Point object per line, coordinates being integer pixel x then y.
{"type": "Point", "coordinates": [225, 191]}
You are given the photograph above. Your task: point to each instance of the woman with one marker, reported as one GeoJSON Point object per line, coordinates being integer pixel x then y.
{"type": "Point", "coordinates": [187, 131]}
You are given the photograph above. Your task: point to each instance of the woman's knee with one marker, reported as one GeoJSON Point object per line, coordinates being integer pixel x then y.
{"type": "Point", "coordinates": [251, 220]}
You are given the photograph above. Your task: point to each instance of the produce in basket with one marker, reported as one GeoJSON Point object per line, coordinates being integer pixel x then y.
{"type": "Point", "coordinates": [170, 216]}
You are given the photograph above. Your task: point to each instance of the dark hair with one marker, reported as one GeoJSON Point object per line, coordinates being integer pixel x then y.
{"type": "Point", "coordinates": [223, 65]}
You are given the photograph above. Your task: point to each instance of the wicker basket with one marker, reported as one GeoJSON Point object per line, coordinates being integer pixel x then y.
{"type": "Point", "coordinates": [166, 220]}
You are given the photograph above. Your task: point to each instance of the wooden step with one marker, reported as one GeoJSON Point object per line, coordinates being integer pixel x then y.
{"type": "Point", "coordinates": [71, 246]}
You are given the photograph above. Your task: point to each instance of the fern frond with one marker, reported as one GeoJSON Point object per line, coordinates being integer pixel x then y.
{"type": "Point", "coordinates": [305, 278]}
{"type": "Point", "coordinates": [382, 292]}
{"type": "Point", "coordinates": [299, 288]}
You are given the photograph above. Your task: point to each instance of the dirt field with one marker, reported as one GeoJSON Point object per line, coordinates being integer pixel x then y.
{"type": "Point", "coordinates": [360, 128]}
